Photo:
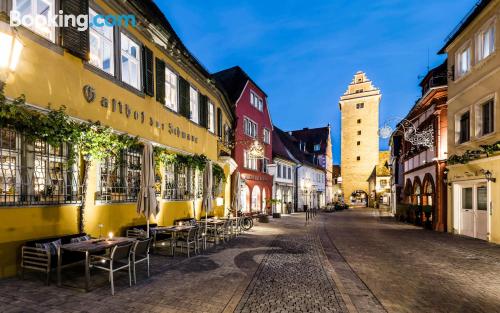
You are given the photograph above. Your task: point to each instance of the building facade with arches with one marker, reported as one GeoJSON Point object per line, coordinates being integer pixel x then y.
{"type": "Point", "coordinates": [418, 170]}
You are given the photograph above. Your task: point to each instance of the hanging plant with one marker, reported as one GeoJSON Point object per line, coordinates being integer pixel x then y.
{"type": "Point", "coordinates": [218, 173]}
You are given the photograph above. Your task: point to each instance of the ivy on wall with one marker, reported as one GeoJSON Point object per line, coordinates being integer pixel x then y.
{"type": "Point", "coordinates": [470, 155]}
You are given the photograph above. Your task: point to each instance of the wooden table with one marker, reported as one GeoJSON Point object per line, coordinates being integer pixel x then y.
{"type": "Point", "coordinates": [88, 247]}
{"type": "Point", "coordinates": [174, 230]}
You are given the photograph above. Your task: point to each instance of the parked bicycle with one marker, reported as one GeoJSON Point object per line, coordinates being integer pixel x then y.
{"type": "Point", "coordinates": [246, 220]}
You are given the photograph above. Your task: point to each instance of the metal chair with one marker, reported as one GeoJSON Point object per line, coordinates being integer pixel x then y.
{"type": "Point", "coordinates": [118, 259]}
{"type": "Point", "coordinates": [140, 253]}
{"type": "Point", "coordinates": [201, 238]}
{"type": "Point", "coordinates": [188, 240]}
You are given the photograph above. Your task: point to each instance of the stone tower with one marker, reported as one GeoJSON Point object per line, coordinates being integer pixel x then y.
{"type": "Point", "coordinates": [359, 108]}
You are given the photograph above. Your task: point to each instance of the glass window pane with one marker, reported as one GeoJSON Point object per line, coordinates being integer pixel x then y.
{"type": "Point", "coordinates": [467, 198]}
{"type": "Point", "coordinates": [482, 198]}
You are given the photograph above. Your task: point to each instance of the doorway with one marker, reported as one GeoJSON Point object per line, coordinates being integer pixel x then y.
{"type": "Point", "coordinates": [473, 209]}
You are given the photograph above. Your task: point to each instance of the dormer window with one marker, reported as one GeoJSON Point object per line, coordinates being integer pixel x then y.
{"type": "Point", "coordinates": [317, 147]}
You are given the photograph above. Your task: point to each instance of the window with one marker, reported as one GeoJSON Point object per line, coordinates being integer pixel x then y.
{"type": "Point", "coordinates": [485, 42]}
{"type": "Point", "coordinates": [256, 101]}
{"type": "Point", "coordinates": [267, 136]}
{"type": "Point", "coordinates": [360, 105]}
{"type": "Point", "coordinates": [101, 46]}
{"type": "Point", "coordinates": [171, 90]}
{"type": "Point", "coordinates": [211, 117]}
{"type": "Point", "coordinates": [359, 121]}
{"type": "Point", "coordinates": [463, 61]}
{"type": "Point", "coordinates": [179, 182]}
{"type": "Point", "coordinates": [35, 172]}
{"type": "Point", "coordinates": [120, 177]}
{"type": "Point", "coordinates": [193, 104]}
{"type": "Point", "coordinates": [289, 173]}
{"type": "Point", "coordinates": [130, 60]}
{"type": "Point", "coordinates": [279, 170]}
{"type": "Point", "coordinates": [464, 134]}
{"type": "Point", "coordinates": [383, 182]}
{"type": "Point", "coordinates": [359, 143]}
{"type": "Point", "coordinates": [317, 147]}
{"type": "Point", "coordinates": [264, 165]}
{"type": "Point", "coordinates": [36, 9]}
{"type": "Point", "coordinates": [248, 162]}
{"type": "Point", "coordinates": [359, 132]}
{"type": "Point", "coordinates": [358, 158]}
{"type": "Point", "coordinates": [250, 128]}
{"type": "Point", "coordinates": [487, 118]}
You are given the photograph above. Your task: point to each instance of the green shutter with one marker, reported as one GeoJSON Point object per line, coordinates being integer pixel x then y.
{"type": "Point", "coordinates": [219, 122]}
{"type": "Point", "coordinates": [203, 110]}
{"type": "Point", "coordinates": [160, 81]}
{"type": "Point", "coordinates": [147, 71]}
{"type": "Point", "coordinates": [184, 109]}
{"type": "Point", "coordinates": [75, 41]}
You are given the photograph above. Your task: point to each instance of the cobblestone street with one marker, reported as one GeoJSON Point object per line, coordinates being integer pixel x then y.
{"type": "Point", "coordinates": [413, 270]}
{"type": "Point", "coordinates": [350, 261]}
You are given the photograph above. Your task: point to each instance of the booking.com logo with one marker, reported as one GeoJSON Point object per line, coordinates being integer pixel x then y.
{"type": "Point", "coordinates": [81, 22]}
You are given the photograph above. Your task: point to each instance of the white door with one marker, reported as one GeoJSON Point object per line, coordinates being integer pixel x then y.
{"type": "Point", "coordinates": [467, 211]}
{"type": "Point", "coordinates": [474, 211]}
{"type": "Point", "coordinates": [481, 211]}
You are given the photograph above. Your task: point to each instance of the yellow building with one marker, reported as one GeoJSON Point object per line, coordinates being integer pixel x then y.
{"type": "Point", "coordinates": [139, 80]}
{"type": "Point", "coordinates": [473, 131]}
{"type": "Point", "coordinates": [360, 140]}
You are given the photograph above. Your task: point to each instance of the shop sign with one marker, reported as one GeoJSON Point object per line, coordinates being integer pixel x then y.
{"type": "Point", "coordinates": [119, 107]}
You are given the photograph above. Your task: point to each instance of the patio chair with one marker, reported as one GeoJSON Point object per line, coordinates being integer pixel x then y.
{"type": "Point", "coordinates": [140, 253]}
{"type": "Point", "coordinates": [226, 231]}
{"type": "Point", "coordinates": [118, 259]}
{"type": "Point", "coordinates": [187, 241]}
{"type": "Point", "coordinates": [201, 239]}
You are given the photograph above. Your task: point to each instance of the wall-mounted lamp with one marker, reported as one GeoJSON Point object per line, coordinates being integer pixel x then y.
{"type": "Point", "coordinates": [10, 52]}
{"type": "Point", "coordinates": [445, 175]}
{"type": "Point", "coordinates": [488, 175]}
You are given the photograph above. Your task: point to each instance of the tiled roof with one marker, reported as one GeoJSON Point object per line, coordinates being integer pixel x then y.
{"type": "Point", "coordinates": [312, 137]}
{"type": "Point", "coordinates": [473, 13]}
{"type": "Point", "coordinates": [279, 149]}
{"type": "Point", "coordinates": [292, 145]}
{"type": "Point", "coordinates": [234, 80]}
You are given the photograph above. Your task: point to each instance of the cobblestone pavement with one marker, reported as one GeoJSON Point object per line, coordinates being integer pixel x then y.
{"type": "Point", "coordinates": [414, 270]}
{"type": "Point", "coordinates": [213, 282]}
{"type": "Point", "coordinates": [292, 279]}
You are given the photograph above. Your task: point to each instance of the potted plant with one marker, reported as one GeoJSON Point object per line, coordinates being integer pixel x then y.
{"type": "Point", "coordinates": [428, 209]}
{"type": "Point", "coordinates": [274, 202]}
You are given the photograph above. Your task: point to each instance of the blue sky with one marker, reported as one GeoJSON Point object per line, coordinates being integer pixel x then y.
{"type": "Point", "coordinates": [305, 53]}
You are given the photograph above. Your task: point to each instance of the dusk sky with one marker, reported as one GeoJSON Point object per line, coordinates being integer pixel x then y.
{"type": "Point", "coordinates": [304, 55]}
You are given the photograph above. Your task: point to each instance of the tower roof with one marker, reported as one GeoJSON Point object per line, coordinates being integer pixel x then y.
{"type": "Point", "coordinates": [360, 86]}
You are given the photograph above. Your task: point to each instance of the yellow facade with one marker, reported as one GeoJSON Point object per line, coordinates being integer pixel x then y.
{"type": "Point", "coordinates": [51, 77]}
{"type": "Point", "coordinates": [360, 112]}
{"type": "Point", "coordinates": [467, 92]}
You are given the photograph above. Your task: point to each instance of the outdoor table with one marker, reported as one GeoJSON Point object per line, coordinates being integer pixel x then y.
{"type": "Point", "coordinates": [174, 230]}
{"type": "Point", "coordinates": [88, 247]}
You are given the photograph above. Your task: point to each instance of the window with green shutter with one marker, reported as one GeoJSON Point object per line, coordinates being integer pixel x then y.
{"type": "Point", "coordinates": [160, 81]}
{"type": "Point", "coordinates": [147, 71]}
{"type": "Point", "coordinates": [203, 109]}
{"type": "Point", "coordinates": [184, 109]}
{"type": "Point", "coordinates": [75, 41]}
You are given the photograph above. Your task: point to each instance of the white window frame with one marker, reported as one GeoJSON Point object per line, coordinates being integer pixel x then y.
{"type": "Point", "coordinates": [256, 101]}
{"type": "Point", "coordinates": [193, 104]}
{"type": "Point", "coordinates": [480, 52]}
{"type": "Point", "coordinates": [467, 47]}
{"type": "Point", "coordinates": [458, 115]}
{"type": "Point", "coordinates": [266, 136]}
{"type": "Point", "coordinates": [211, 117]}
{"type": "Point", "coordinates": [102, 40]}
{"type": "Point", "coordinates": [171, 90]}
{"type": "Point", "coordinates": [131, 60]}
{"type": "Point", "coordinates": [478, 110]}
{"type": "Point", "coordinates": [249, 163]}
{"type": "Point", "coordinates": [51, 31]}
{"type": "Point", "coordinates": [250, 127]}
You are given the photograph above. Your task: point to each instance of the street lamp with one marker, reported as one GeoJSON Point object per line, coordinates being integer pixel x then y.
{"type": "Point", "coordinates": [10, 52]}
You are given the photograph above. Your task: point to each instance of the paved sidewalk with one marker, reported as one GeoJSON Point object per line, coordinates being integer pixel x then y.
{"type": "Point", "coordinates": [293, 278]}
{"type": "Point", "coordinates": [414, 270]}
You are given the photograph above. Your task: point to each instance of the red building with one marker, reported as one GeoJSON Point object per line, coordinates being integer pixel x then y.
{"type": "Point", "coordinates": [253, 127]}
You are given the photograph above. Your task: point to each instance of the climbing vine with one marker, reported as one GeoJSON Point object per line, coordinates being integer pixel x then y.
{"type": "Point", "coordinates": [470, 155]}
